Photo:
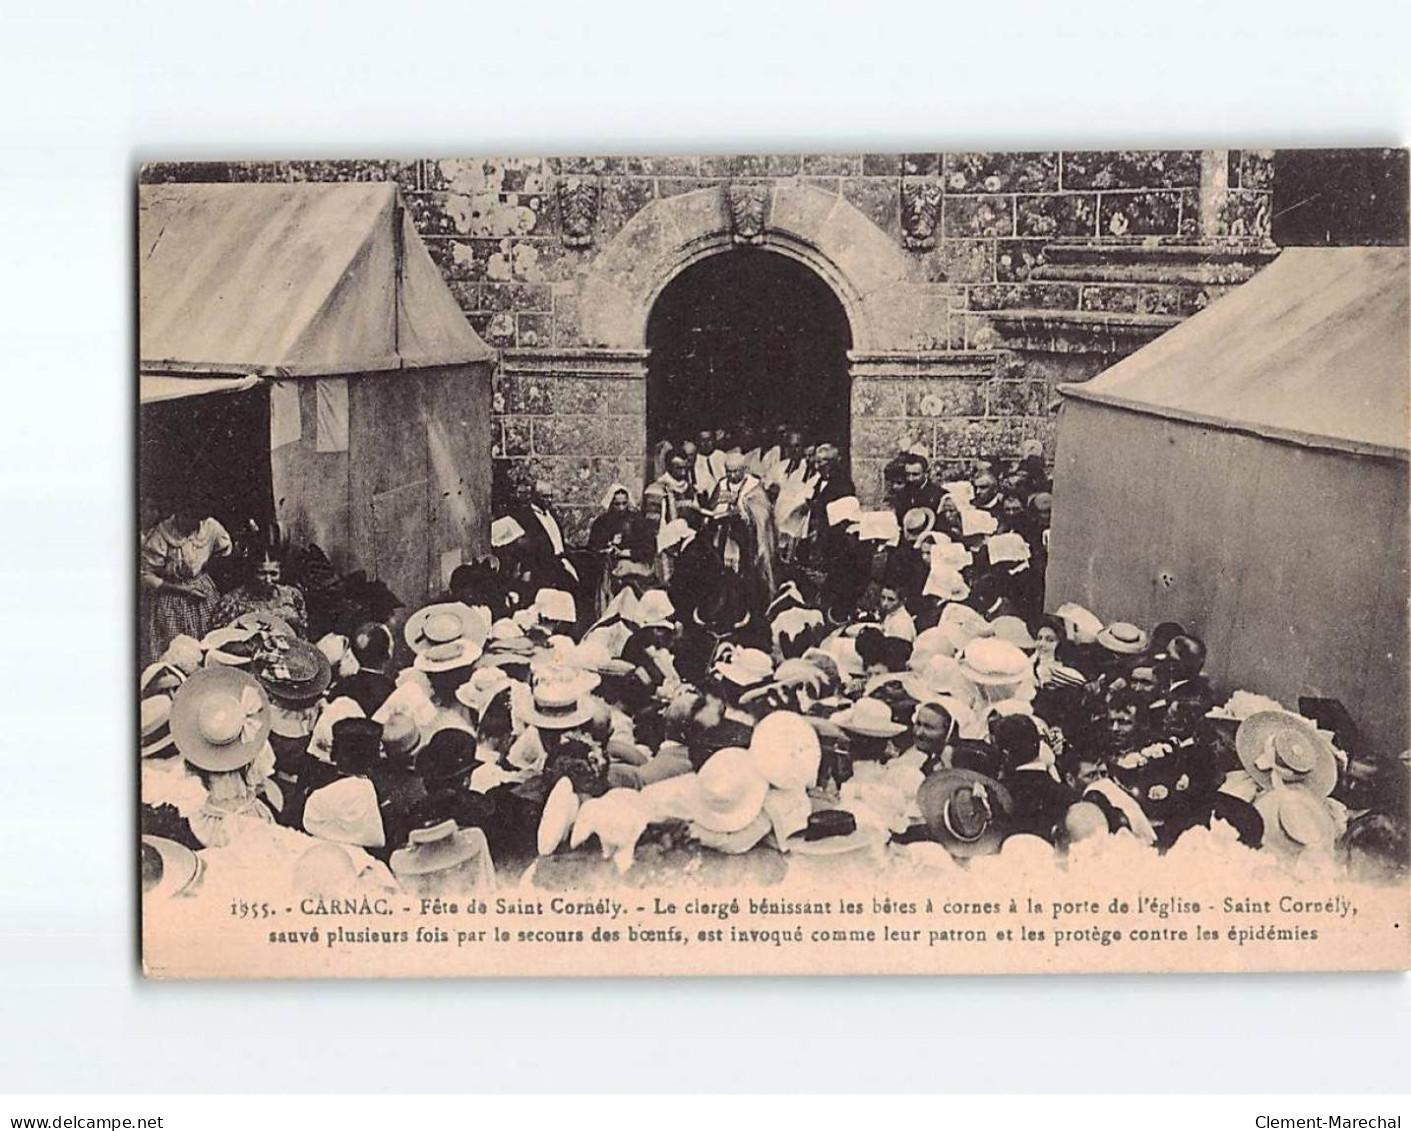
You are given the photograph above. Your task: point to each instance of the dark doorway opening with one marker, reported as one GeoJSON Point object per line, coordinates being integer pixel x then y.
{"type": "Point", "coordinates": [748, 338]}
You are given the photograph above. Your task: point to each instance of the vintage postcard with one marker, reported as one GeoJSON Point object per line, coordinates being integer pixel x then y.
{"type": "Point", "coordinates": [774, 564]}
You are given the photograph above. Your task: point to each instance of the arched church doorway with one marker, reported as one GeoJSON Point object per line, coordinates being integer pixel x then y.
{"type": "Point", "coordinates": [748, 338]}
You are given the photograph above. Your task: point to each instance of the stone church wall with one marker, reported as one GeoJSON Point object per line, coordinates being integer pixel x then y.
{"type": "Point", "coordinates": [976, 282]}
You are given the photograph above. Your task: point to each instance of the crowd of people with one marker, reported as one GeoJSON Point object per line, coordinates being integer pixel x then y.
{"type": "Point", "coordinates": [746, 671]}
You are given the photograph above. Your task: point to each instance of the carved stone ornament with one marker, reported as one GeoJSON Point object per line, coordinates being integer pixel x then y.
{"type": "Point", "coordinates": [746, 203]}
{"type": "Point", "coordinates": [578, 209]}
{"type": "Point", "coordinates": [920, 209]}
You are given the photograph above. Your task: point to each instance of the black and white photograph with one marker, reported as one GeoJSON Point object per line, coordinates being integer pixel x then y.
{"type": "Point", "coordinates": [809, 563]}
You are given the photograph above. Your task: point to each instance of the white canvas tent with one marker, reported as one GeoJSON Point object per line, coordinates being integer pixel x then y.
{"type": "Point", "coordinates": [1246, 475]}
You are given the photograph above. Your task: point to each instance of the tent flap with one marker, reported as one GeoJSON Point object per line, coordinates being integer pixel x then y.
{"type": "Point", "coordinates": [154, 387]}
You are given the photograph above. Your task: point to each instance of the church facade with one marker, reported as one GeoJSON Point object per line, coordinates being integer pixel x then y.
{"type": "Point", "coordinates": [929, 301]}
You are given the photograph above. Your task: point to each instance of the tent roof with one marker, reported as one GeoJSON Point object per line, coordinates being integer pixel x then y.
{"type": "Point", "coordinates": [290, 280]}
{"type": "Point", "coordinates": [1313, 350]}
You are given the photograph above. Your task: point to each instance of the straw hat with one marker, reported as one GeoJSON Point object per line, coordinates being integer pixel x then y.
{"type": "Point", "coordinates": [183, 653]}
{"type": "Point", "coordinates": [438, 848]}
{"type": "Point", "coordinates": [965, 811]}
{"type": "Point", "coordinates": [230, 646]}
{"type": "Point", "coordinates": [345, 812]}
{"type": "Point", "coordinates": [1295, 821]}
{"type": "Point", "coordinates": [481, 688]}
{"type": "Point", "coordinates": [940, 678]}
{"type": "Point", "coordinates": [1014, 630]}
{"type": "Point", "coordinates": [293, 671]}
{"type": "Point", "coordinates": [965, 620]}
{"type": "Point", "coordinates": [740, 841]}
{"type": "Point", "coordinates": [459, 653]}
{"type": "Point", "coordinates": [732, 790]}
{"type": "Point", "coordinates": [220, 719]}
{"type": "Point", "coordinates": [869, 717]}
{"type": "Point", "coordinates": [987, 660]}
{"type": "Point", "coordinates": [443, 623]}
{"type": "Point", "coordinates": [1082, 625]}
{"type": "Point", "coordinates": [160, 677]}
{"type": "Point", "coordinates": [918, 522]}
{"type": "Point", "coordinates": [168, 868]}
{"type": "Point", "coordinates": [785, 750]}
{"type": "Point", "coordinates": [558, 705]}
{"type": "Point", "coordinates": [1123, 638]}
{"type": "Point", "coordinates": [1285, 751]}
{"type": "Point", "coordinates": [156, 737]}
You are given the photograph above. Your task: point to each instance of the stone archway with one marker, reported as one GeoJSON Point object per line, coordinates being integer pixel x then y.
{"type": "Point", "coordinates": [864, 266]}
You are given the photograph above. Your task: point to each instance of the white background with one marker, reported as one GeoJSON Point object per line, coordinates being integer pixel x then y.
{"type": "Point", "coordinates": [88, 89]}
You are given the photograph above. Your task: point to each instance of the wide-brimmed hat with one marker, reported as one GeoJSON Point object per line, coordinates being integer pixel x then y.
{"type": "Point", "coordinates": [159, 678]}
{"type": "Point", "coordinates": [746, 667]}
{"type": "Point", "coordinates": [168, 868]}
{"type": "Point", "coordinates": [1122, 637]}
{"type": "Point", "coordinates": [1285, 751]}
{"type": "Point", "coordinates": [987, 660]}
{"type": "Point", "coordinates": [785, 750]}
{"type": "Point", "coordinates": [940, 678]}
{"type": "Point", "coordinates": [918, 522]}
{"type": "Point", "coordinates": [966, 620]}
{"type": "Point", "coordinates": [558, 705]}
{"type": "Point", "coordinates": [156, 736]}
{"type": "Point", "coordinates": [453, 654]}
{"type": "Point", "coordinates": [293, 671]}
{"type": "Point", "coordinates": [1295, 821]}
{"type": "Point", "coordinates": [869, 717]}
{"type": "Point", "coordinates": [230, 646]}
{"type": "Point", "coordinates": [220, 719]}
{"type": "Point", "coordinates": [448, 754]}
{"type": "Point", "coordinates": [593, 655]}
{"type": "Point", "coordinates": [257, 620]}
{"type": "Point", "coordinates": [735, 843]}
{"type": "Point", "coordinates": [443, 623]}
{"type": "Point", "coordinates": [1014, 630]}
{"type": "Point", "coordinates": [1081, 625]}
{"type": "Point", "coordinates": [732, 790]}
{"type": "Point", "coordinates": [184, 653]}
{"type": "Point", "coordinates": [835, 832]}
{"type": "Point", "coordinates": [438, 848]}
{"type": "Point", "coordinates": [966, 812]}
{"type": "Point", "coordinates": [481, 688]}
{"type": "Point", "coordinates": [346, 812]}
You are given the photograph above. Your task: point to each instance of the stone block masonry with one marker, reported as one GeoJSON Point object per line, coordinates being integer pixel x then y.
{"type": "Point", "coordinates": [973, 282]}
